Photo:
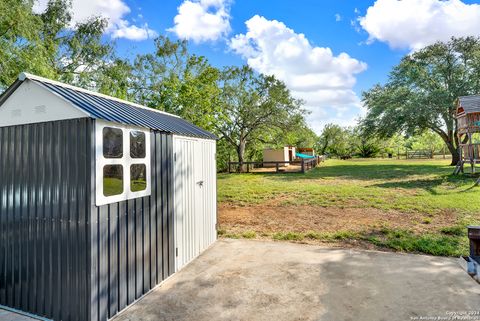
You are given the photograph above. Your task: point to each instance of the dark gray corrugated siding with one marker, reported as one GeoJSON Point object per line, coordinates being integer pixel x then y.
{"type": "Point", "coordinates": [44, 212]}
{"type": "Point", "coordinates": [62, 257]}
{"type": "Point", "coordinates": [132, 241]}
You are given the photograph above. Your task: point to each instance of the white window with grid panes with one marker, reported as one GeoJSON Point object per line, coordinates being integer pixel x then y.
{"type": "Point", "coordinates": [123, 162]}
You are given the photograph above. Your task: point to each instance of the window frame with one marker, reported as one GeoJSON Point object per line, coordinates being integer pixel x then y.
{"type": "Point", "coordinates": [126, 161]}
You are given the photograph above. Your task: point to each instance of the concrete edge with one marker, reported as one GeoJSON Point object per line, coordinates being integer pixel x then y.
{"type": "Point", "coordinates": [26, 314]}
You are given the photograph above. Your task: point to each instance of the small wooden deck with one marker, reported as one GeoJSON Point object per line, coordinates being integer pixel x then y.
{"type": "Point", "coordinates": [293, 168]}
{"type": "Point", "coordinates": [297, 166]}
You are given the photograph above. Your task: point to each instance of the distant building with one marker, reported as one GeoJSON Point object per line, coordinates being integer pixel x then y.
{"type": "Point", "coordinates": [285, 154]}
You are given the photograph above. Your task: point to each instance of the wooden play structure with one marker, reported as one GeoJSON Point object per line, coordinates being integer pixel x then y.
{"type": "Point", "coordinates": [468, 125]}
{"type": "Point", "coordinates": [283, 155]}
{"type": "Point", "coordinates": [280, 160]}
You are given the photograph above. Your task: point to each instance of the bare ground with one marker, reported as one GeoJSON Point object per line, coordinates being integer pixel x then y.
{"type": "Point", "coordinates": [271, 218]}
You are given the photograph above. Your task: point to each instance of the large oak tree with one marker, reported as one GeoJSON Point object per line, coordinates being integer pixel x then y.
{"type": "Point", "coordinates": [421, 92]}
{"type": "Point", "coordinates": [253, 105]}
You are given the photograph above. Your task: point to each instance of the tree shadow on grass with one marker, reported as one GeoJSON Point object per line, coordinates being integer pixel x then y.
{"type": "Point", "coordinates": [430, 185]}
{"type": "Point", "coordinates": [422, 176]}
{"type": "Point", "coordinates": [369, 172]}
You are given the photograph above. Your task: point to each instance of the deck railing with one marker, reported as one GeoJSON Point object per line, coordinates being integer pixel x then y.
{"type": "Point", "coordinates": [304, 165]}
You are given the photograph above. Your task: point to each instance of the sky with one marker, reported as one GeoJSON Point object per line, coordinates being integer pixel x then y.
{"type": "Point", "coordinates": [326, 51]}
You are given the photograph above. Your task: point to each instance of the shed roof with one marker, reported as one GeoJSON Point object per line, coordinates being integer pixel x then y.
{"type": "Point", "coordinates": [470, 104]}
{"type": "Point", "coordinates": [112, 109]}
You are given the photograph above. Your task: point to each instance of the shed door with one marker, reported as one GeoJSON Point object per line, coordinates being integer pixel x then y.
{"type": "Point", "coordinates": [195, 197]}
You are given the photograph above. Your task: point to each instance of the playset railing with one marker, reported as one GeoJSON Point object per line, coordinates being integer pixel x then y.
{"type": "Point", "coordinates": [470, 152]}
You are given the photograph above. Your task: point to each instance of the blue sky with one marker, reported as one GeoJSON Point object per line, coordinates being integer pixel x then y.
{"type": "Point", "coordinates": [316, 19]}
{"type": "Point", "coordinates": [326, 51]}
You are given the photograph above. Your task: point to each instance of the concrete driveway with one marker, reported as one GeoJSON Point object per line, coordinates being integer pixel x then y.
{"type": "Point", "coordinates": [254, 280]}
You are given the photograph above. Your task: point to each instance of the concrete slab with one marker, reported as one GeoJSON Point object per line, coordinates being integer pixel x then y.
{"type": "Point", "coordinates": [11, 316]}
{"type": "Point", "coordinates": [254, 280]}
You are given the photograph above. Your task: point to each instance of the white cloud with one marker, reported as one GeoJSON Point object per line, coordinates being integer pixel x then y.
{"type": "Point", "coordinates": [338, 17]}
{"type": "Point", "coordinates": [414, 24]}
{"type": "Point", "coordinates": [314, 74]}
{"type": "Point", "coordinates": [113, 10]}
{"type": "Point", "coordinates": [133, 32]}
{"type": "Point", "coordinates": [202, 20]}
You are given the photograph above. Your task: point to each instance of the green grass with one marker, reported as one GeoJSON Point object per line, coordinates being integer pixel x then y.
{"type": "Point", "coordinates": [457, 230]}
{"type": "Point", "coordinates": [425, 187]}
{"type": "Point", "coordinates": [112, 186]}
{"type": "Point", "coordinates": [407, 241]}
{"type": "Point", "coordinates": [289, 236]}
{"type": "Point", "coordinates": [398, 240]}
{"type": "Point", "coordinates": [138, 185]}
{"type": "Point", "coordinates": [249, 235]}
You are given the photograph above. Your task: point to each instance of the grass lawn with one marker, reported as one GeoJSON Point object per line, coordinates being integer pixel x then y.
{"type": "Point", "coordinates": [112, 186]}
{"type": "Point", "coordinates": [414, 206]}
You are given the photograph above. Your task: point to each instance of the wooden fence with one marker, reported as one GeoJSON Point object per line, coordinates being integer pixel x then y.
{"type": "Point", "coordinates": [299, 166]}
{"type": "Point", "coordinates": [412, 154]}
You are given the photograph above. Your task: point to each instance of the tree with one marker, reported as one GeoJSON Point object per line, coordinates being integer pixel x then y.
{"type": "Point", "coordinates": [253, 105]}
{"type": "Point", "coordinates": [48, 45]}
{"type": "Point", "coordinates": [428, 141]}
{"type": "Point", "coordinates": [363, 145]}
{"type": "Point", "coordinates": [19, 38]}
{"type": "Point", "coordinates": [115, 79]}
{"type": "Point", "coordinates": [422, 90]}
{"type": "Point", "coordinates": [172, 80]}
{"type": "Point", "coordinates": [300, 136]}
{"type": "Point", "coordinates": [331, 136]}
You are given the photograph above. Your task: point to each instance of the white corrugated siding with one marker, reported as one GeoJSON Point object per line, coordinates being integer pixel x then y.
{"type": "Point", "coordinates": [195, 197]}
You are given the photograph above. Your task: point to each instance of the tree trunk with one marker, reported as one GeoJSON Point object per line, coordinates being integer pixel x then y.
{"type": "Point", "coordinates": [241, 155]}
{"type": "Point", "coordinates": [454, 151]}
{"type": "Point", "coordinates": [451, 141]}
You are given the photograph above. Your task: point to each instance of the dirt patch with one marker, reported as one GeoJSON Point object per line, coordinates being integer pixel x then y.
{"type": "Point", "coordinates": [271, 219]}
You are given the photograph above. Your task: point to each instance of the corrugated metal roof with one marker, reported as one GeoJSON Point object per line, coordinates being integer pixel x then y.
{"type": "Point", "coordinates": [470, 104]}
{"type": "Point", "coordinates": [116, 110]}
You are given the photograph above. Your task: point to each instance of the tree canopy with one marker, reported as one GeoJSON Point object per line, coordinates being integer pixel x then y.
{"type": "Point", "coordinates": [172, 80]}
{"type": "Point", "coordinates": [246, 110]}
{"type": "Point", "coordinates": [47, 44]}
{"type": "Point", "coordinates": [254, 107]}
{"type": "Point", "coordinates": [421, 92]}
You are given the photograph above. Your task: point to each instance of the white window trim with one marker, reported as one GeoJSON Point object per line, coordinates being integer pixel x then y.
{"type": "Point", "coordinates": [126, 161]}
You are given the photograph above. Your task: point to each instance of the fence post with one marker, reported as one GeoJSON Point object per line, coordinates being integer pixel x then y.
{"type": "Point", "coordinates": [248, 167]}
{"type": "Point", "coordinates": [303, 165]}
{"type": "Point", "coordinates": [229, 167]}
{"type": "Point", "coordinates": [276, 167]}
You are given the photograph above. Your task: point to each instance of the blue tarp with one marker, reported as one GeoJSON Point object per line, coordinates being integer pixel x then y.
{"type": "Point", "coordinates": [304, 155]}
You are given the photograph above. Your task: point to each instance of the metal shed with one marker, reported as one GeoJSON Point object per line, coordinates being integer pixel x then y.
{"type": "Point", "coordinates": [100, 199]}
